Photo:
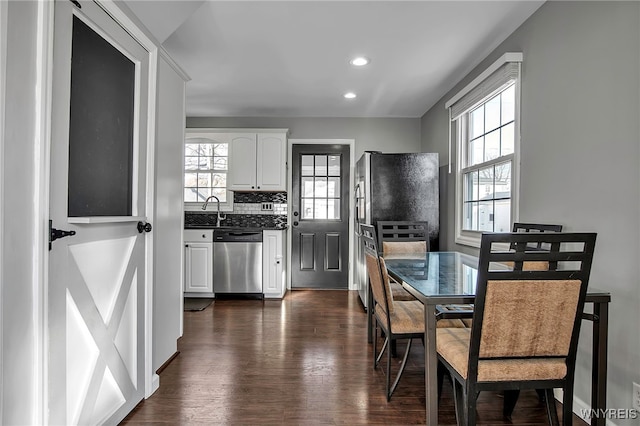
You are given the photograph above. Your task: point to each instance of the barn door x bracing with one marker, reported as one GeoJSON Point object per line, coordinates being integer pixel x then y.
{"type": "Point", "coordinates": [98, 190]}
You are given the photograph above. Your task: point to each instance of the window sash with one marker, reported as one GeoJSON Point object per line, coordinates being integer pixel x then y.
{"type": "Point", "coordinates": [504, 159]}
{"type": "Point", "coordinates": [471, 237]}
{"type": "Point", "coordinates": [226, 205]}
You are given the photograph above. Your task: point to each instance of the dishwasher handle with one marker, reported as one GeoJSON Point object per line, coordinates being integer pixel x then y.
{"type": "Point", "coordinates": [238, 237]}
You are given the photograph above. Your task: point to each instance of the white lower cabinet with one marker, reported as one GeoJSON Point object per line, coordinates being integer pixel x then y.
{"type": "Point", "coordinates": [273, 264]}
{"type": "Point", "coordinates": [198, 261]}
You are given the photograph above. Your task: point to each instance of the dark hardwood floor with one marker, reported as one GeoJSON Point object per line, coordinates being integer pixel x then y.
{"type": "Point", "coordinates": [302, 360]}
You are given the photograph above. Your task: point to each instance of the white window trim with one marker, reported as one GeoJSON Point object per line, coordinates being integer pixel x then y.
{"type": "Point", "coordinates": [472, 238]}
{"type": "Point", "coordinates": [211, 207]}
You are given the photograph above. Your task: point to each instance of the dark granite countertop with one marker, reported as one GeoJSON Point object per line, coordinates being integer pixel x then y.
{"type": "Point", "coordinates": [205, 226]}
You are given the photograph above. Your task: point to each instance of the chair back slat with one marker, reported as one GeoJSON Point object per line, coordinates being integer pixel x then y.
{"type": "Point", "coordinates": [530, 312]}
{"type": "Point", "coordinates": [403, 236]}
{"type": "Point", "coordinates": [407, 247]}
{"type": "Point", "coordinates": [536, 227]}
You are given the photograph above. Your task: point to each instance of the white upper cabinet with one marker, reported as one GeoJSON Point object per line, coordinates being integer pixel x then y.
{"type": "Point", "coordinates": [242, 160]}
{"type": "Point", "coordinates": [271, 173]}
{"type": "Point", "coordinates": [257, 161]}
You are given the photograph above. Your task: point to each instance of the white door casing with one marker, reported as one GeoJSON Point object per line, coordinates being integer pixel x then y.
{"type": "Point", "coordinates": [97, 282]}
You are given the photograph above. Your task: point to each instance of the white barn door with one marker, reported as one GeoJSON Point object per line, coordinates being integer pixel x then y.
{"type": "Point", "coordinates": [98, 190]}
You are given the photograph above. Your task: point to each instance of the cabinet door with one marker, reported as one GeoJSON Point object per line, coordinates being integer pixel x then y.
{"type": "Point", "coordinates": [272, 264]}
{"type": "Point", "coordinates": [198, 262]}
{"type": "Point", "coordinates": [271, 162]}
{"type": "Point", "coordinates": [242, 162]}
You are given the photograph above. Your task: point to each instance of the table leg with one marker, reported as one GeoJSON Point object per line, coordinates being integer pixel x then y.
{"type": "Point", "coordinates": [430, 365]}
{"type": "Point", "coordinates": [599, 360]}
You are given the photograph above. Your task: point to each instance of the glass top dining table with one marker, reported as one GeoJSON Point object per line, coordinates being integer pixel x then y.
{"type": "Point", "coordinates": [437, 278]}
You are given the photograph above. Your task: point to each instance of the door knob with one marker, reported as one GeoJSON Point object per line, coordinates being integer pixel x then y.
{"type": "Point", "coordinates": [144, 227]}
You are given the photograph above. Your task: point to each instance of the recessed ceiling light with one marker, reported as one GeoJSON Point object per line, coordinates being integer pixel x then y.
{"type": "Point", "coordinates": [349, 95]}
{"type": "Point", "coordinates": [359, 61]}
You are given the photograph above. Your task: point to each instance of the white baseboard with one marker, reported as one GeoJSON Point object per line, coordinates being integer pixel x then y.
{"type": "Point", "coordinates": [155, 384]}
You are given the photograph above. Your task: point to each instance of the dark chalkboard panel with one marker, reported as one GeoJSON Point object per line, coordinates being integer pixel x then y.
{"type": "Point", "coordinates": [101, 127]}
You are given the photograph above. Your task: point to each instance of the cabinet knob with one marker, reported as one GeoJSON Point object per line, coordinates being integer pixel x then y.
{"type": "Point", "coordinates": [186, 245]}
{"type": "Point", "coordinates": [204, 235]}
{"type": "Point", "coordinates": [258, 187]}
{"type": "Point", "coordinates": [252, 187]}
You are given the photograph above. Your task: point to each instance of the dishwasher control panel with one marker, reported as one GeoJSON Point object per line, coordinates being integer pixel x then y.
{"type": "Point", "coordinates": [237, 236]}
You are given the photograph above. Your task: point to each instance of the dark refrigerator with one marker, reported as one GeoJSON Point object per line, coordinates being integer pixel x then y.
{"type": "Point", "coordinates": [394, 187]}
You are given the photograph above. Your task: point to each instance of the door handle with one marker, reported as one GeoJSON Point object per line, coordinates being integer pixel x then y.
{"type": "Point", "coordinates": [144, 227]}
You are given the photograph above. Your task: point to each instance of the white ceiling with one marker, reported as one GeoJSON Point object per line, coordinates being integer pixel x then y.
{"type": "Point", "coordinates": [291, 58]}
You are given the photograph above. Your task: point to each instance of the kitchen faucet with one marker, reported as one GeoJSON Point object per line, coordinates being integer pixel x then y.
{"type": "Point", "coordinates": [219, 216]}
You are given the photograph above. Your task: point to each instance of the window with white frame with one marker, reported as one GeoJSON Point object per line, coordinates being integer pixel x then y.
{"type": "Point", "coordinates": [206, 160]}
{"type": "Point", "coordinates": [486, 114]}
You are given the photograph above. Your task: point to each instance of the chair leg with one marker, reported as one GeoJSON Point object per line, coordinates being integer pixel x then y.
{"type": "Point", "coordinates": [388, 385]}
{"type": "Point", "coordinates": [541, 393]}
{"type": "Point", "coordinates": [401, 370]}
{"type": "Point", "coordinates": [375, 343]}
{"type": "Point", "coordinates": [384, 347]}
{"type": "Point", "coordinates": [550, 402]}
{"type": "Point", "coordinates": [458, 401]}
{"type": "Point", "coordinates": [394, 350]}
{"type": "Point", "coordinates": [567, 403]}
{"type": "Point", "coordinates": [441, 372]}
{"type": "Point", "coordinates": [510, 400]}
{"type": "Point", "coordinates": [471, 396]}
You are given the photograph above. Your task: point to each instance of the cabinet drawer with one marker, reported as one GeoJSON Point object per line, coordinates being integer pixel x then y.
{"type": "Point", "coordinates": [198, 235]}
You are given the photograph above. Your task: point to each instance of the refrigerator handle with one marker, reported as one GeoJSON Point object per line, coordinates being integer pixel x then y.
{"type": "Point", "coordinates": [356, 193]}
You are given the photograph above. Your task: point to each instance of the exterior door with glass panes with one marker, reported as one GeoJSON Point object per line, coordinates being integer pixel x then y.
{"type": "Point", "coordinates": [320, 221]}
{"type": "Point", "coordinates": [205, 170]}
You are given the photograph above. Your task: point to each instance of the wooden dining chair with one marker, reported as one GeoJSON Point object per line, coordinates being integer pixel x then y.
{"type": "Point", "coordinates": [397, 319]}
{"type": "Point", "coordinates": [402, 237]}
{"type": "Point", "coordinates": [398, 293]}
{"type": "Point", "coordinates": [526, 323]}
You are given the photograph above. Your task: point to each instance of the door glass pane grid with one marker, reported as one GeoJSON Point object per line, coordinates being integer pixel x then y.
{"type": "Point", "coordinates": [206, 166]}
{"type": "Point", "coordinates": [320, 187]}
{"type": "Point", "coordinates": [487, 199]}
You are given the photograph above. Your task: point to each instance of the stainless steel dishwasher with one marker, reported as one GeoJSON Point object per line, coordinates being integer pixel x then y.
{"type": "Point", "coordinates": [237, 262]}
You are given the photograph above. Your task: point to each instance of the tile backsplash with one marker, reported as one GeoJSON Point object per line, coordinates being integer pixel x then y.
{"type": "Point", "coordinates": [250, 209]}
{"type": "Point", "coordinates": [259, 197]}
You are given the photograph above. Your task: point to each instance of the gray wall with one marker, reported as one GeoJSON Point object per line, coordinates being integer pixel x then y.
{"type": "Point", "coordinates": [381, 134]}
{"type": "Point", "coordinates": [580, 156]}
